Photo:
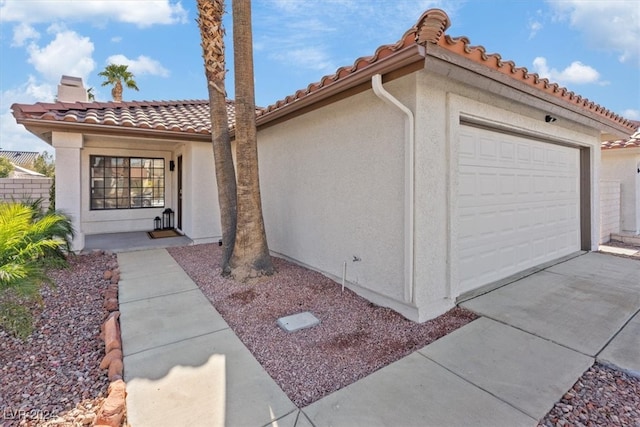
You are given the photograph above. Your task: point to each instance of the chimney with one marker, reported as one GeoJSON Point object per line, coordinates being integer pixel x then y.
{"type": "Point", "coordinates": [71, 89]}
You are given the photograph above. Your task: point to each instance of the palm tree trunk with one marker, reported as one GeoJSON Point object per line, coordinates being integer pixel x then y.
{"type": "Point", "coordinates": [116, 92]}
{"type": "Point", "coordinates": [212, 33]}
{"type": "Point", "coordinates": [250, 254]}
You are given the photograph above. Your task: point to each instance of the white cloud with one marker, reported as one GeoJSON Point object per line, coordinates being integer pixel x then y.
{"type": "Point", "coordinates": [311, 58]}
{"type": "Point", "coordinates": [534, 26]}
{"type": "Point", "coordinates": [140, 13]}
{"type": "Point", "coordinates": [287, 29]}
{"type": "Point", "coordinates": [68, 53]}
{"type": "Point", "coordinates": [606, 25]}
{"type": "Point", "coordinates": [14, 136]}
{"type": "Point", "coordinates": [575, 73]}
{"type": "Point", "coordinates": [141, 65]}
{"type": "Point", "coordinates": [631, 114]}
{"type": "Point", "coordinates": [23, 33]}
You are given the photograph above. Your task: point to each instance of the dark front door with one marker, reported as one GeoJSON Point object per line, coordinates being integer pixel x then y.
{"type": "Point", "coordinates": [180, 192]}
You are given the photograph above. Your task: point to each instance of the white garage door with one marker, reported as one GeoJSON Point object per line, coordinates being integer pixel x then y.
{"type": "Point", "coordinates": [519, 204]}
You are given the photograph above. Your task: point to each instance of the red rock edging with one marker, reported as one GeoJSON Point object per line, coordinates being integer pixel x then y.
{"type": "Point", "coordinates": [113, 409]}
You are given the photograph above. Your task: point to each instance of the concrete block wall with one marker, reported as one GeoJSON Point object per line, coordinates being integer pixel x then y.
{"type": "Point", "coordinates": [25, 189]}
{"type": "Point", "coordinates": [609, 209]}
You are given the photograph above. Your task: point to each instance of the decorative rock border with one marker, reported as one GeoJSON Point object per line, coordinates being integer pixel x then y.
{"type": "Point", "coordinates": [113, 409]}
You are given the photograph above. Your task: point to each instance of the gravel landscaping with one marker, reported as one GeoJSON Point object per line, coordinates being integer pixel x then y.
{"type": "Point", "coordinates": [601, 397]}
{"type": "Point", "coordinates": [53, 378]}
{"type": "Point", "coordinates": [354, 338]}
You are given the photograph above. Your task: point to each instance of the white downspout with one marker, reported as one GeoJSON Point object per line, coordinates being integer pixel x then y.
{"type": "Point", "coordinates": [409, 227]}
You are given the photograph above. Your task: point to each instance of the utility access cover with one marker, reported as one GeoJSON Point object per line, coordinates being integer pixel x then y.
{"type": "Point", "coordinates": [298, 321]}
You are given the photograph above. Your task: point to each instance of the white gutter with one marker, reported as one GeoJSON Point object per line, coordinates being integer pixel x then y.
{"type": "Point", "coordinates": [409, 226]}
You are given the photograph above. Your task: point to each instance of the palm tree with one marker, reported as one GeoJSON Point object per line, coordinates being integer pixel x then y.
{"type": "Point", "coordinates": [250, 253]}
{"type": "Point", "coordinates": [27, 238]}
{"type": "Point", "coordinates": [212, 33]}
{"type": "Point", "coordinates": [116, 75]}
{"type": "Point", "coordinates": [30, 240]}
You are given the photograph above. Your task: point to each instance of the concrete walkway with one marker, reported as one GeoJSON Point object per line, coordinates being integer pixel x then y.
{"type": "Point", "coordinates": [536, 336]}
{"type": "Point", "coordinates": [184, 366]}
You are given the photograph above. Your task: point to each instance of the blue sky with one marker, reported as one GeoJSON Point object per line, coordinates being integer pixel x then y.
{"type": "Point", "coordinates": [591, 47]}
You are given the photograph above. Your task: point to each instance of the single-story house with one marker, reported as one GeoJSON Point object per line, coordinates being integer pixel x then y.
{"type": "Point", "coordinates": [419, 175]}
{"type": "Point", "coordinates": [22, 162]}
{"type": "Point", "coordinates": [621, 164]}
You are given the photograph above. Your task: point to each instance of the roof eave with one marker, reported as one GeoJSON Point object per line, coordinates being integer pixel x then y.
{"type": "Point", "coordinates": [396, 61]}
{"type": "Point", "coordinates": [42, 129]}
{"type": "Point", "coordinates": [440, 60]}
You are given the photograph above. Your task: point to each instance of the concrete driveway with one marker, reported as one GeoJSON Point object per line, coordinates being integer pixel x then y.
{"type": "Point", "coordinates": [588, 304]}
{"type": "Point", "coordinates": [535, 338]}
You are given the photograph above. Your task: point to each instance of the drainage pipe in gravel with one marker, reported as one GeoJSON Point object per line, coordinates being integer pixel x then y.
{"type": "Point", "coordinates": [381, 92]}
{"type": "Point", "coordinates": [344, 274]}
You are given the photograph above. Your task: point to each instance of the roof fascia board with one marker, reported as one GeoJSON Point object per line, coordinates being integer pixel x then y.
{"type": "Point", "coordinates": [84, 128]}
{"type": "Point", "coordinates": [396, 61]}
{"type": "Point", "coordinates": [441, 61]}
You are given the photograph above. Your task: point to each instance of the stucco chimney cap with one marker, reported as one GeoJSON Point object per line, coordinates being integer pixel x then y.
{"type": "Point", "coordinates": [71, 89]}
{"type": "Point", "coordinates": [71, 81]}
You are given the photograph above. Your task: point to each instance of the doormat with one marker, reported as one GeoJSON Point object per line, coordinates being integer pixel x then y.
{"type": "Point", "coordinates": [159, 234]}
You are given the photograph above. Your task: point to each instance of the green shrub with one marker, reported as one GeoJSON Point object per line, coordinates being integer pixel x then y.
{"type": "Point", "coordinates": [5, 167]}
{"type": "Point", "coordinates": [30, 241]}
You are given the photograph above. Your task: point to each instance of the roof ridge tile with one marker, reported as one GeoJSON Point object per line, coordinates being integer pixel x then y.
{"type": "Point", "coordinates": [188, 115]}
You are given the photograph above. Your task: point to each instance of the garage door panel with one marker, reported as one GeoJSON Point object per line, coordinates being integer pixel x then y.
{"type": "Point", "coordinates": [518, 205]}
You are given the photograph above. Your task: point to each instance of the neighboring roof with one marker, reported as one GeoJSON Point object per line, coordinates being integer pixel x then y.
{"type": "Point", "coordinates": [426, 38]}
{"type": "Point", "coordinates": [632, 142]}
{"type": "Point", "coordinates": [20, 157]}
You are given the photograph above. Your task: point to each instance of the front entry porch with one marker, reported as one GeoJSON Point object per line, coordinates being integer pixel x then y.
{"type": "Point", "coordinates": [130, 241]}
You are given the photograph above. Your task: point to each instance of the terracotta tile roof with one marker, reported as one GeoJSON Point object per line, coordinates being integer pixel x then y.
{"type": "Point", "coordinates": [632, 142]}
{"type": "Point", "coordinates": [427, 35]}
{"type": "Point", "coordinates": [25, 158]}
{"type": "Point", "coordinates": [429, 30]}
{"type": "Point", "coordinates": [179, 116]}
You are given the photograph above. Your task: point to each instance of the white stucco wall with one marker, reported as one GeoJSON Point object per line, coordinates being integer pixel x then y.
{"type": "Point", "coordinates": [609, 209]}
{"type": "Point", "coordinates": [68, 148]}
{"type": "Point", "coordinates": [201, 215]}
{"type": "Point", "coordinates": [332, 184]}
{"type": "Point", "coordinates": [622, 165]}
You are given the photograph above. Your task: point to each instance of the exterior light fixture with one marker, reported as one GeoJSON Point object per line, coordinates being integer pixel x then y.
{"type": "Point", "coordinates": [157, 223]}
{"type": "Point", "coordinates": [167, 219]}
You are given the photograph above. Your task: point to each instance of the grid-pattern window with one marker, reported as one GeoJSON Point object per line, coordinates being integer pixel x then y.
{"type": "Point", "coordinates": [126, 182]}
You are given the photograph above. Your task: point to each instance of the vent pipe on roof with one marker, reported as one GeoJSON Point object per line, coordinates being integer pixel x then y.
{"type": "Point", "coordinates": [71, 89]}
{"type": "Point", "coordinates": [376, 83]}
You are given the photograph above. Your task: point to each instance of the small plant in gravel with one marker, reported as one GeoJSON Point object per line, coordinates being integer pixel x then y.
{"type": "Point", "coordinates": [30, 241]}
